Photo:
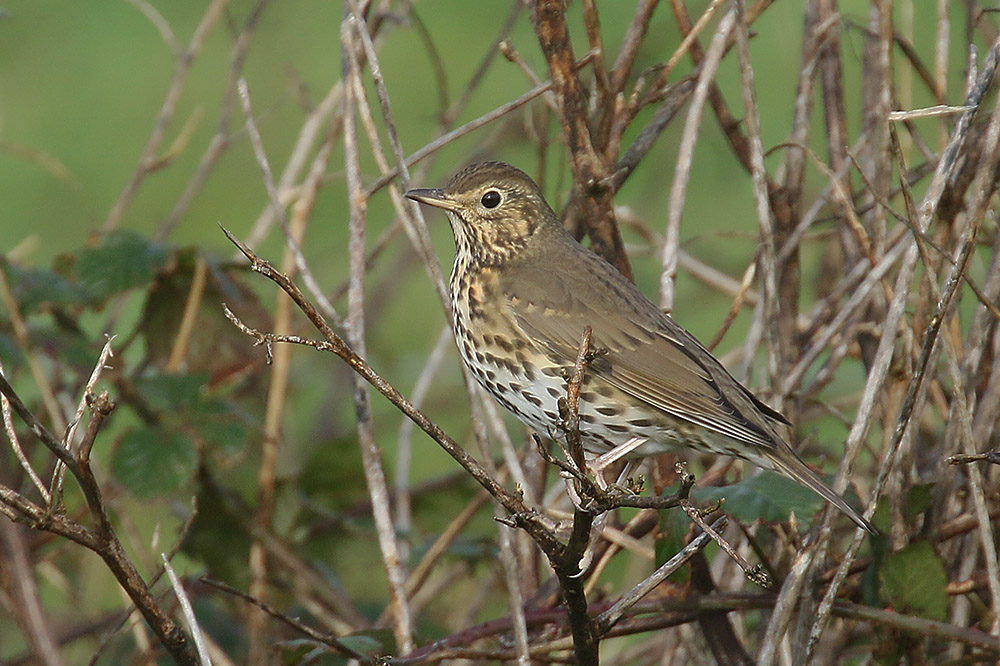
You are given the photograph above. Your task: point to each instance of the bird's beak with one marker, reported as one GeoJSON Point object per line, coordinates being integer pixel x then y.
{"type": "Point", "coordinates": [433, 197]}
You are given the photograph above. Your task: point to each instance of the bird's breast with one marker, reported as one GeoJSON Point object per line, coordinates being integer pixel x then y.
{"type": "Point", "coordinates": [529, 379]}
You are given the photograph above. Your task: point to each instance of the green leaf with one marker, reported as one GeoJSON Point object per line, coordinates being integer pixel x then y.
{"type": "Point", "coordinates": [216, 420]}
{"type": "Point", "coordinates": [34, 287]}
{"type": "Point", "coordinates": [123, 260]}
{"type": "Point", "coordinates": [767, 496]}
{"type": "Point", "coordinates": [297, 651]}
{"type": "Point", "coordinates": [913, 581]}
{"type": "Point", "coordinates": [216, 537]}
{"type": "Point", "coordinates": [227, 433]}
{"type": "Point", "coordinates": [10, 352]}
{"type": "Point", "coordinates": [171, 392]}
{"type": "Point", "coordinates": [372, 643]}
{"type": "Point", "coordinates": [674, 526]}
{"type": "Point", "coordinates": [918, 500]}
{"type": "Point", "coordinates": [151, 462]}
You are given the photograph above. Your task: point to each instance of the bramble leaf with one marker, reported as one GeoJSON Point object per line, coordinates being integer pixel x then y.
{"type": "Point", "coordinates": [767, 496]}
{"type": "Point", "coordinates": [913, 580]}
{"type": "Point", "coordinates": [150, 462]}
{"type": "Point", "coordinates": [123, 260]}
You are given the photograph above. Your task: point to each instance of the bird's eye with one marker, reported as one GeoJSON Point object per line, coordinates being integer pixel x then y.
{"type": "Point", "coordinates": [491, 199]}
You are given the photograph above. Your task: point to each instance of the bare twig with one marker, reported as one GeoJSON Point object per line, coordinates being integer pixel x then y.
{"type": "Point", "coordinates": [608, 618]}
{"type": "Point", "coordinates": [102, 539]}
{"type": "Point", "coordinates": [371, 459]}
{"type": "Point", "coordinates": [15, 445]}
{"type": "Point", "coordinates": [292, 243]}
{"type": "Point", "coordinates": [965, 458]}
{"type": "Point", "coordinates": [69, 441]}
{"type": "Point", "coordinates": [685, 153]}
{"type": "Point", "coordinates": [189, 618]}
{"type": "Point", "coordinates": [292, 622]}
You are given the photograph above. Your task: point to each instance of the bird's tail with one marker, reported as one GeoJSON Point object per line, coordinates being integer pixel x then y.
{"type": "Point", "coordinates": [788, 463]}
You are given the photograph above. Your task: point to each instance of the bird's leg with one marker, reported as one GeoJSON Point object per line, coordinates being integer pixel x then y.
{"type": "Point", "coordinates": [627, 469]}
{"type": "Point", "coordinates": [572, 492]}
{"type": "Point", "coordinates": [598, 464]}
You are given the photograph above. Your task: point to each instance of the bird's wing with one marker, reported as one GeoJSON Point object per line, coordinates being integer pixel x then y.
{"type": "Point", "coordinates": [649, 356]}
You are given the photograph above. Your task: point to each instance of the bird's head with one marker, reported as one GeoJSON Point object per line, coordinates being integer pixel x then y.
{"type": "Point", "coordinates": [495, 210]}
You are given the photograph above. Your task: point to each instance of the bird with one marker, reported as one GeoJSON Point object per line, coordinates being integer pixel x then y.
{"type": "Point", "coordinates": [523, 290]}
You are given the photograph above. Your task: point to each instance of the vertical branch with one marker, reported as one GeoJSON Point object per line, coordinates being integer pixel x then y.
{"type": "Point", "coordinates": [277, 394]}
{"type": "Point", "coordinates": [835, 119]}
{"type": "Point", "coordinates": [877, 94]}
{"type": "Point", "coordinates": [768, 263]}
{"type": "Point", "coordinates": [787, 278]}
{"type": "Point", "coordinates": [832, 81]}
{"type": "Point", "coordinates": [409, 212]}
{"type": "Point", "coordinates": [549, 18]}
{"type": "Point", "coordinates": [370, 456]}
{"type": "Point", "coordinates": [685, 155]}
{"type": "Point", "coordinates": [592, 23]}
{"type": "Point", "coordinates": [18, 582]}
{"type": "Point", "coordinates": [941, 39]}
{"type": "Point", "coordinates": [592, 203]}
{"type": "Point", "coordinates": [795, 158]}
{"type": "Point", "coordinates": [512, 576]}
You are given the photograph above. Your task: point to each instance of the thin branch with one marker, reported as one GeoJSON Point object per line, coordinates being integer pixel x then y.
{"type": "Point", "coordinates": [470, 126]}
{"type": "Point", "coordinates": [188, 613]}
{"type": "Point", "coordinates": [294, 623]}
{"type": "Point", "coordinates": [15, 445]}
{"type": "Point", "coordinates": [596, 209]}
{"type": "Point", "coordinates": [685, 155]}
{"type": "Point", "coordinates": [185, 60]}
{"type": "Point", "coordinates": [992, 457]}
{"type": "Point", "coordinates": [755, 574]}
{"type": "Point", "coordinates": [279, 210]}
{"type": "Point", "coordinates": [608, 618]}
{"type": "Point", "coordinates": [775, 309]}
{"type": "Point", "coordinates": [370, 456]}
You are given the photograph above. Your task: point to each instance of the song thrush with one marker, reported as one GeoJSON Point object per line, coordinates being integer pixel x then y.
{"type": "Point", "coordinates": [523, 291]}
